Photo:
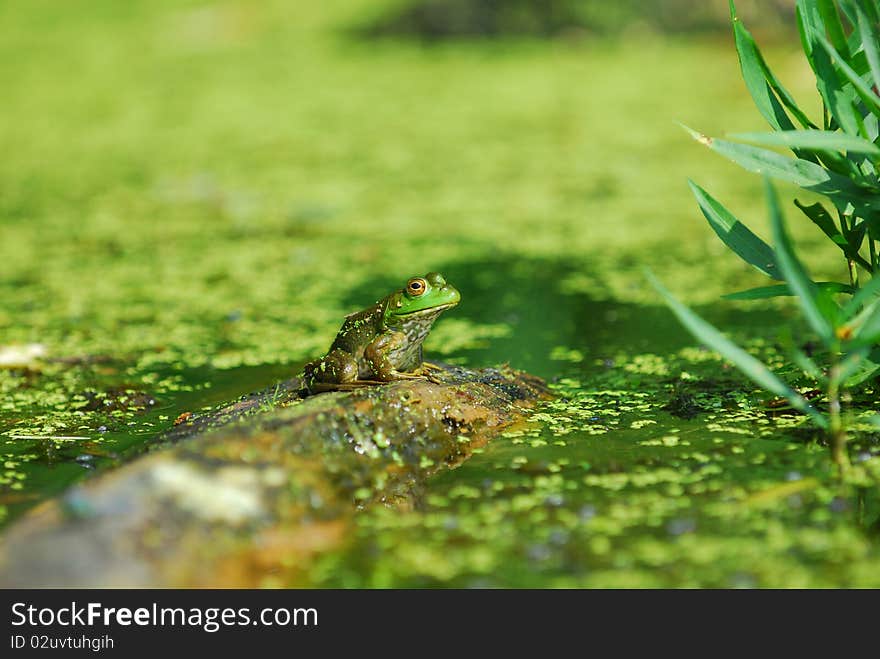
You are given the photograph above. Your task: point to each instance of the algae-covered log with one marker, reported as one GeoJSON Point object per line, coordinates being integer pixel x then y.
{"type": "Point", "coordinates": [249, 495]}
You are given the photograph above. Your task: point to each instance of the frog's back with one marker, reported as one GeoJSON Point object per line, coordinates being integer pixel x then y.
{"type": "Point", "coordinates": [358, 329]}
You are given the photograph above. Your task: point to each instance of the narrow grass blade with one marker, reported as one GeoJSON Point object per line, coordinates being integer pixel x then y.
{"type": "Point", "coordinates": [762, 161]}
{"type": "Point", "coordinates": [822, 219]}
{"type": "Point", "coordinates": [816, 140]}
{"type": "Point", "coordinates": [833, 26]}
{"type": "Point", "coordinates": [867, 369]}
{"type": "Point", "coordinates": [854, 364]}
{"type": "Point", "coordinates": [808, 366]}
{"type": "Point", "coordinates": [839, 101]}
{"type": "Point", "coordinates": [736, 235]}
{"type": "Point", "coordinates": [863, 296]}
{"type": "Point", "coordinates": [864, 323]}
{"type": "Point", "coordinates": [750, 367]}
{"type": "Point", "coordinates": [871, 9]}
{"type": "Point", "coordinates": [869, 331]}
{"type": "Point", "coordinates": [870, 36]}
{"type": "Point", "coordinates": [795, 275]}
{"type": "Point", "coordinates": [868, 95]}
{"type": "Point", "coordinates": [803, 173]}
{"type": "Point", "coordinates": [764, 87]}
{"type": "Point", "coordinates": [807, 18]}
{"type": "Point", "coordinates": [752, 65]}
{"type": "Point", "coordinates": [782, 290]}
{"type": "Point", "coordinates": [849, 244]}
{"type": "Point", "coordinates": [849, 12]}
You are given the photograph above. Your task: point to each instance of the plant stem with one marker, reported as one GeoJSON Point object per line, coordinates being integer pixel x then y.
{"type": "Point", "coordinates": [836, 428]}
{"type": "Point", "coordinates": [872, 246]}
{"type": "Point", "coordinates": [850, 261]}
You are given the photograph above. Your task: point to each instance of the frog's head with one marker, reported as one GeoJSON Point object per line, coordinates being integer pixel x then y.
{"type": "Point", "coordinates": [428, 295]}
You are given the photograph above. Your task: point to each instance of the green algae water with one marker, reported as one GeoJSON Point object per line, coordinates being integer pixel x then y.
{"type": "Point", "coordinates": [196, 194]}
{"type": "Point", "coordinates": [655, 466]}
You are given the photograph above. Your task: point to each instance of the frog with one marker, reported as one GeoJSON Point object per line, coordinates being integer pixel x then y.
{"type": "Point", "coordinates": [383, 342]}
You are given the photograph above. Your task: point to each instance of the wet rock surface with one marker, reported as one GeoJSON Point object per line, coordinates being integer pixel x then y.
{"type": "Point", "coordinates": [248, 495]}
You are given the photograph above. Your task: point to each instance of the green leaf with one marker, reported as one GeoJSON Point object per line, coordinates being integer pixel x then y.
{"type": "Point", "coordinates": [781, 290]}
{"type": "Point", "coordinates": [753, 69]}
{"type": "Point", "coordinates": [795, 275]}
{"type": "Point", "coordinates": [736, 235]}
{"type": "Point", "coordinates": [816, 140]}
{"type": "Point", "coordinates": [808, 366]}
{"type": "Point", "coordinates": [862, 297]}
{"type": "Point", "coordinates": [868, 95]}
{"type": "Point", "coordinates": [866, 370]}
{"type": "Point", "coordinates": [870, 37]}
{"type": "Point", "coordinates": [760, 293]}
{"type": "Point", "coordinates": [833, 26]}
{"type": "Point", "coordinates": [844, 108]}
{"type": "Point", "coordinates": [764, 87]}
{"type": "Point", "coordinates": [807, 175]}
{"type": "Point", "coordinates": [871, 9]}
{"type": "Point", "coordinates": [839, 101]}
{"type": "Point", "coordinates": [846, 8]}
{"type": "Point", "coordinates": [822, 219]}
{"type": "Point", "coordinates": [855, 237]}
{"type": "Point", "coordinates": [849, 245]}
{"type": "Point", "coordinates": [863, 324]}
{"type": "Point", "coordinates": [807, 18]}
{"type": "Point", "coordinates": [750, 367]}
{"type": "Point", "coordinates": [854, 365]}
{"type": "Point", "coordinates": [868, 326]}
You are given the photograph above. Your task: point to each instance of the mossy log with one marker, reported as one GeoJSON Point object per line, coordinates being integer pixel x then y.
{"type": "Point", "coordinates": [251, 494]}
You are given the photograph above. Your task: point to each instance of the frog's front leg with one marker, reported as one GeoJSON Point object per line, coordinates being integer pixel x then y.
{"type": "Point", "coordinates": [429, 370]}
{"type": "Point", "coordinates": [377, 353]}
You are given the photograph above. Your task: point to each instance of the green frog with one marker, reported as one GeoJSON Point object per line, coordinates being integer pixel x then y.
{"type": "Point", "coordinates": [384, 341]}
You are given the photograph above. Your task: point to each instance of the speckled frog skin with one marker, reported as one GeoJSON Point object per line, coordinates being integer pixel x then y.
{"type": "Point", "coordinates": [384, 342]}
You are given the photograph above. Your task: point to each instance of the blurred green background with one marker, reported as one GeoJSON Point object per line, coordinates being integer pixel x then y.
{"type": "Point", "coordinates": [171, 163]}
{"type": "Point", "coordinates": [193, 194]}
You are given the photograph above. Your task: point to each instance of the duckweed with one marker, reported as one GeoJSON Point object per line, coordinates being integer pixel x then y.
{"type": "Point", "coordinates": [236, 192]}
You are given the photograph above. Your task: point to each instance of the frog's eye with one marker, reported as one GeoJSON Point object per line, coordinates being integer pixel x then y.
{"type": "Point", "coordinates": [416, 286]}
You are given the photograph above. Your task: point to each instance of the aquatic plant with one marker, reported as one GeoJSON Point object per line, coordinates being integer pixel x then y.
{"type": "Point", "coordinates": [848, 333]}
{"type": "Point", "coordinates": [838, 158]}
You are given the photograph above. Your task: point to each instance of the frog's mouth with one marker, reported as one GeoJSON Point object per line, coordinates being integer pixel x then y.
{"type": "Point", "coordinates": [430, 311]}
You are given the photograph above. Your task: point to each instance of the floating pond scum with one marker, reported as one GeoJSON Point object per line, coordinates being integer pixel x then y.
{"type": "Point", "coordinates": [194, 195]}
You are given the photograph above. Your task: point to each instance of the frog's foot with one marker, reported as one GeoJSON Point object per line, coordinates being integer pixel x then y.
{"type": "Point", "coordinates": [420, 373]}
{"type": "Point", "coordinates": [402, 375]}
{"type": "Point", "coordinates": [432, 377]}
{"type": "Point", "coordinates": [431, 372]}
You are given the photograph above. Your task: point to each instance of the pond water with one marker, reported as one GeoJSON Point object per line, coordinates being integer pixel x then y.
{"type": "Point", "coordinates": [654, 467]}
{"type": "Point", "coordinates": [198, 194]}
